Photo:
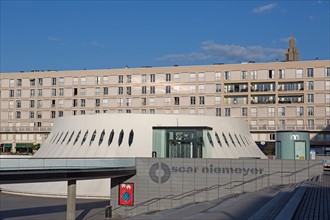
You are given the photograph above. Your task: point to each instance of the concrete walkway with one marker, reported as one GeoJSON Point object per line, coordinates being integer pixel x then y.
{"type": "Point", "coordinates": [307, 200]}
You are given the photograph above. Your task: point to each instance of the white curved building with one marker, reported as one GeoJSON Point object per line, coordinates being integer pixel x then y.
{"type": "Point", "coordinates": [138, 135]}
{"type": "Point", "coordinates": [148, 135]}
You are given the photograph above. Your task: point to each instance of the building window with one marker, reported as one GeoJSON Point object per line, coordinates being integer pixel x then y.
{"type": "Point", "coordinates": [192, 100]}
{"type": "Point", "coordinates": [19, 93]}
{"type": "Point", "coordinates": [120, 79]}
{"type": "Point", "coordinates": [327, 72]}
{"type": "Point", "coordinates": [120, 90]}
{"type": "Point", "coordinates": [201, 76]}
{"type": "Point", "coordinates": [281, 111]}
{"type": "Point", "coordinates": [10, 115]}
{"type": "Point", "coordinates": [310, 72]}
{"type": "Point", "coordinates": [31, 114]}
{"type": "Point", "coordinates": [128, 102]}
{"type": "Point", "coordinates": [218, 112]}
{"type": "Point", "coordinates": [143, 101]}
{"type": "Point", "coordinates": [19, 82]}
{"type": "Point", "coordinates": [92, 138]}
{"type": "Point", "coordinates": [168, 77]}
{"type": "Point", "coordinates": [32, 92]}
{"type": "Point", "coordinates": [143, 90]}
{"type": "Point", "coordinates": [18, 104]}
{"type": "Point", "coordinates": [152, 77]}
{"type": "Point", "coordinates": [271, 74]}
{"type": "Point", "coordinates": [111, 135]}
{"type": "Point", "coordinates": [217, 76]}
{"type": "Point", "coordinates": [75, 81]}
{"type": "Point", "coordinates": [227, 75]}
{"type": "Point", "coordinates": [39, 114]}
{"type": "Point", "coordinates": [192, 77]}
{"type": "Point", "coordinates": [176, 100]}
{"type": "Point", "coordinates": [129, 90]}
{"type": "Point", "coordinates": [244, 75]}
{"type": "Point", "coordinates": [83, 80]}
{"type": "Point", "coordinates": [192, 88]}
{"type": "Point", "coordinates": [74, 102]}
{"type": "Point", "coordinates": [327, 98]}
{"type": "Point", "coordinates": [101, 137]}
{"type": "Point", "coordinates": [167, 89]}
{"type": "Point", "coordinates": [310, 98]}
{"type": "Point", "coordinates": [143, 78]}
{"type": "Point", "coordinates": [52, 114]}
{"type": "Point", "coordinates": [227, 112]}
{"type": "Point", "coordinates": [201, 88]}
{"type": "Point", "coordinates": [105, 90]}
{"type": "Point", "coordinates": [82, 102]}
{"type": "Point", "coordinates": [105, 80]}
{"type": "Point", "coordinates": [97, 102]}
{"type": "Point", "coordinates": [244, 112]}
{"type": "Point", "coordinates": [281, 74]}
{"type": "Point", "coordinates": [327, 111]}
{"type": "Point", "coordinates": [61, 81]}
{"type": "Point", "coordinates": [82, 112]}
{"type": "Point", "coordinates": [39, 103]}
{"type": "Point", "coordinates": [32, 82]}
{"type": "Point", "coordinates": [201, 100]}
{"type": "Point", "coordinates": [217, 87]}
{"type": "Point", "coordinates": [271, 112]}
{"type": "Point", "coordinates": [167, 101]}
{"type": "Point", "coordinates": [299, 73]}
{"type": "Point", "coordinates": [121, 137]}
{"type": "Point", "coordinates": [120, 102]}
{"type": "Point", "coordinates": [18, 115]}
{"type": "Point", "coordinates": [11, 83]}
{"type": "Point", "coordinates": [12, 93]}
{"type": "Point", "coordinates": [60, 114]}
{"type": "Point", "coordinates": [97, 91]}
{"type": "Point", "coordinates": [327, 85]}
{"type": "Point", "coordinates": [31, 103]}
{"type": "Point", "coordinates": [105, 103]}
{"type": "Point", "coordinates": [310, 85]}
{"type": "Point", "coordinates": [83, 91]}
{"type": "Point", "coordinates": [300, 111]}
{"type": "Point", "coordinates": [53, 102]}
{"type": "Point", "coordinates": [217, 100]}
{"type": "Point", "coordinates": [40, 92]}
{"type": "Point", "coordinates": [53, 92]}
{"type": "Point", "coordinates": [11, 104]}
{"type": "Point", "coordinates": [97, 80]}
{"type": "Point", "coordinates": [310, 111]}
{"type": "Point", "coordinates": [310, 122]}
{"type": "Point", "coordinates": [151, 101]}
{"type": "Point", "coordinates": [254, 74]}
{"type": "Point", "coordinates": [53, 81]}
{"type": "Point", "coordinates": [152, 89]}
{"type": "Point", "coordinates": [128, 79]}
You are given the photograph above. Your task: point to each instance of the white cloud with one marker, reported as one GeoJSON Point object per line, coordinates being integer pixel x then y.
{"type": "Point", "coordinates": [239, 53]}
{"type": "Point", "coordinates": [96, 44]}
{"type": "Point", "coordinates": [285, 39]}
{"type": "Point", "coordinates": [214, 52]}
{"type": "Point", "coordinates": [185, 57]}
{"type": "Point", "coordinates": [54, 39]}
{"type": "Point", "coordinates": [264, 8]}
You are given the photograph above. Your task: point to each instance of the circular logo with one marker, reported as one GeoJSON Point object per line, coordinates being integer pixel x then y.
{"type": "Point", "coordinates": [159, 172]}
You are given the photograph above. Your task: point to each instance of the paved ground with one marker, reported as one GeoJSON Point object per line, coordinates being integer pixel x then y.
{"type": "Point", "coordinates": [308, 200]}
{"type": "Point", "coordinates": [29, 207]}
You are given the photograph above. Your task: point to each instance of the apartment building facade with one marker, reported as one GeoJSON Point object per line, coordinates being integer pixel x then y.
{"type": "Point", "coordinates": [269, 96]}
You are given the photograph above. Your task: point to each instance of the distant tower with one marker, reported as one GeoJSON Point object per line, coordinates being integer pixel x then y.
{"type": "Point", "coordinates": [292, 53]}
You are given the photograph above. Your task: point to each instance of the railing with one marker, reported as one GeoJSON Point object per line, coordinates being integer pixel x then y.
{"type": "Point", "coordinates": [24, 129]}
{"type": "Point", "coordinates": [18, 164]}
{"type": "Point", "coordinates": [289, 127]}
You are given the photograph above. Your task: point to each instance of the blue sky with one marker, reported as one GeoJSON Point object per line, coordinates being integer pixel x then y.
{"type": "Point", "coordinates": [73, 35]}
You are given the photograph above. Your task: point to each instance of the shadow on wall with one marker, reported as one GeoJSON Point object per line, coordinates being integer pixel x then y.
{"type": "Point", "coordinates": [321, 142]}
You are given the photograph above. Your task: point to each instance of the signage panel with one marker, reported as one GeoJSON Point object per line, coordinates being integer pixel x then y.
{"type": "Point", "coordinates": [126, 194]}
